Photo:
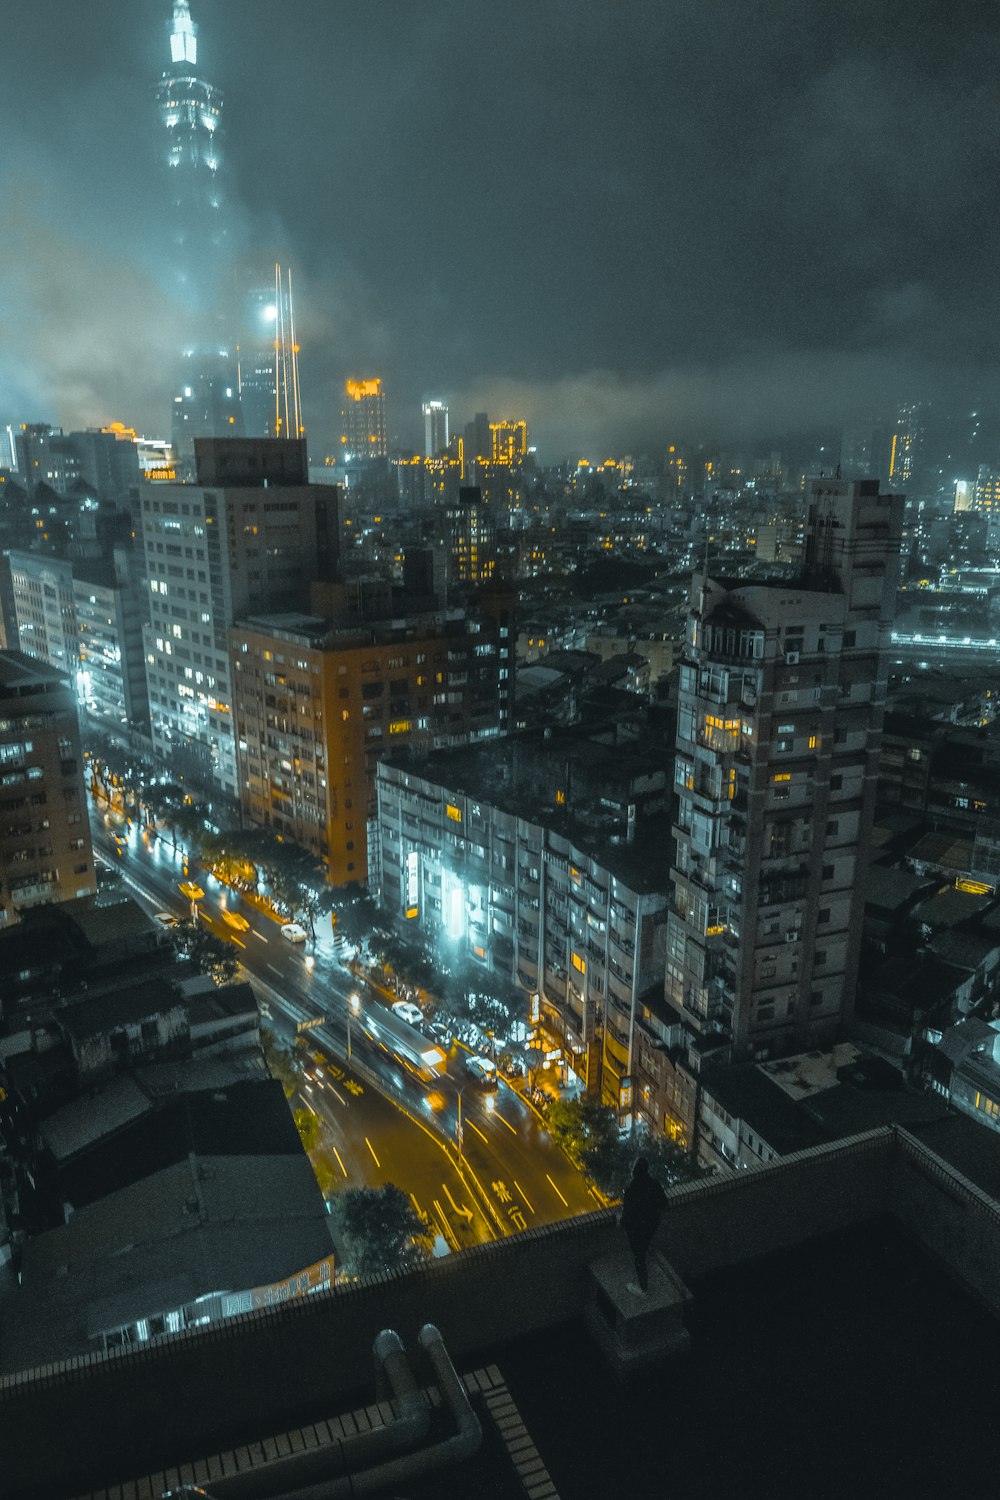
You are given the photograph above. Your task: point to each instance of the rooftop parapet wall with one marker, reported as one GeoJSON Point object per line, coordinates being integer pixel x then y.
{"type": "Point", "coordinates": [271, 1370]}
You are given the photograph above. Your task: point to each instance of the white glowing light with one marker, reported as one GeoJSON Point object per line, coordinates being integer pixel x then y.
{"type": "Point", "coordinates": [270, 314]}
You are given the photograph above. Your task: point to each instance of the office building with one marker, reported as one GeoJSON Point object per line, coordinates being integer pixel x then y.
{"type": "Point", "coordinates": [268, 358]}
{"type": "Point", "coordinates": [45, 848]}
{"type": "Point", "coordinates": [363, 433]}
{"type": "Point", "coordinates": [206, 404]}
{"type": "Point", "coordinates": [317, 702]}
{"type": "Point", "coordinates": [105, 460]}
{"type": "Point", "coordinates": [781, 701]}
{"type": "Point", "coordinates": [478, 444]}
{"type": "Point", "coordinates": [435, 428]}
{"type": "Point", "coordinates": [44, 608]}
{"type": "Point", "coordinates": [251, 533]}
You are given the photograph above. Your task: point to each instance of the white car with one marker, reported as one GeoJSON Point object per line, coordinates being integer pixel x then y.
{"type": "Point", "coordinates": [294, 933]}
{"type": "Point", "coordinates": [408, 1012]}
{"type": "Point", "coordinates": [481, 1069]}
{"type": "Point", "coordinates": [166, 919]}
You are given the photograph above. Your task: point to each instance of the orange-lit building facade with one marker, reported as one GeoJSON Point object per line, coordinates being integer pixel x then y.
{"type": "Point", "coordinates": [363, 432]}
{"type": "Point", "coordinates": [317, 704]}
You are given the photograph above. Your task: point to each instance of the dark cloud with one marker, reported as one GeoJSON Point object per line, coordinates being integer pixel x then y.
{"type": "Point", "coordinates": [622, 219]}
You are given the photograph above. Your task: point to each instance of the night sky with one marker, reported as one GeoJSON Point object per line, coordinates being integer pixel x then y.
{"type": "Point", "coordinates": [627, 220]}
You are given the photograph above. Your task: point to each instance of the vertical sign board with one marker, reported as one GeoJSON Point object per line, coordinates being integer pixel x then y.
{"type": "Point", "coordinates": [412, 883]}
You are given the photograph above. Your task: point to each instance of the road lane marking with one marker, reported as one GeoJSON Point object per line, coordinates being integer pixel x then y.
{"type": "Point", "coordinates": [510, 1127]}
{"type": "Point", "coordinates": [274, 970]}
{"type": "Point", "coordinates": [473, 1126]}
{"type": "Point", "coordinates": [340, 1164]}
{"type": "Point", "coordinates": [416, 1205]}
{"type": "Point", "coordinates": [463, 1213]}
{"type": "Point", "coordinates": [237, 942]}
{"type": "Point", "coordinates": [524, 1194]}
{"type": "Point", "coordinates": [336, 1093]}
{"type": "Point", "coordinates": [258, 934]}
{"type": "Point", "coordinates": [557, 1192]}
{"type": "Point", "coordinates": [379, 1164]}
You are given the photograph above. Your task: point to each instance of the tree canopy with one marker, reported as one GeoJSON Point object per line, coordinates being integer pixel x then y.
{"type": "Point", "coordinates": [589, 1134]}
{"type": "Point", "coordinates": [378, 1229]}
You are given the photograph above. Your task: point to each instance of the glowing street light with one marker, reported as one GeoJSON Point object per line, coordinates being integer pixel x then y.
{"type": "Point", "coordinates": [353, 1009]}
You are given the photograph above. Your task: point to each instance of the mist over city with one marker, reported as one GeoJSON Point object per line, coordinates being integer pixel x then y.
{"type": "Point", "coordinates": [499, 750]}
{"type": "Point", "coordinates": [620, 219]}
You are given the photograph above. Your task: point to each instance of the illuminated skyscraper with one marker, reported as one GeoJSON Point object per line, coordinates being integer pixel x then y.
{"type": "Point", "coordinates": [190, 112]}
{"type": "Point", "coordinates": [363, 433]}
{"type": "Point", "coordinates": [435, 428]}
{"type": "Point", "coordinates": [269, 359]}
{"type": "Point", "coordinates": [508, 442]}
{"type": "Point", "coordinates": [904, 446]}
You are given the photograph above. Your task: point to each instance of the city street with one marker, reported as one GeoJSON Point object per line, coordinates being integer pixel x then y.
{"type": "Point", "coordinates": [505, 1162]}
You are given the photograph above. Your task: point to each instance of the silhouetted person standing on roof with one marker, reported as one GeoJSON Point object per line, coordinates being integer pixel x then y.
{"type": "Point", "coordinates": [642, 1207]}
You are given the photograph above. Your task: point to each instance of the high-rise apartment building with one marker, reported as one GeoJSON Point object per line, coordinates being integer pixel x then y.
{"type": "Point", "coordinates": [781, 699]}
{"type": "Point", "coordinates": [472, 537]}
{"type": "Point", "coordinates": [363, 430]}
{"type": "Point", "coordinates": [45, 848]}
{"type": "Point", "coordinates": [317, 703]}
{"type": "Point", "coordinates": [435, 428]}
{"type": "Point", "coordinates": [251, 533]}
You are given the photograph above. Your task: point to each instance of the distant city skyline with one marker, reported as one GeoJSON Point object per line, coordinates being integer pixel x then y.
{"type": "Point", "coordinates": [788, 262]}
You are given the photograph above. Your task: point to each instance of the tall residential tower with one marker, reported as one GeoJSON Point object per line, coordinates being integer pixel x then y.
{"type": "Point", "coordinates": [782, 693]}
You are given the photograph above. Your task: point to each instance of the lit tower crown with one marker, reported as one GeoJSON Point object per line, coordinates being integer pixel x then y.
{"type": "Point", "coordinates": [190, 112]}
{"type": "Point", "coordinates": [183, 35]}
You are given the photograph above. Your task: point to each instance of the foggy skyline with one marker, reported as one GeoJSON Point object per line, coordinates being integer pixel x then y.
{"type": "Point", "coordinates": [625, 222]}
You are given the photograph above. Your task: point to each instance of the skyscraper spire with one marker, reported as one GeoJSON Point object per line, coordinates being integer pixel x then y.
{"type": "Point", "coordinates": [190, 110]}
{"type": "Point", "coordinates": [183, 35]}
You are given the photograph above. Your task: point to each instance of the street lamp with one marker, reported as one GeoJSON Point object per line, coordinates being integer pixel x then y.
{"type": "Point", "coordinates": [353, 1009]}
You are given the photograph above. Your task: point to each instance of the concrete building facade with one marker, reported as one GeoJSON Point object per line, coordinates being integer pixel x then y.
{"type": "Point", "coordinates": [252, 533]}
{"type": "Point", "coordinates": [317, 703]}
{"type": "Point", "coordinates": [45, 847]}
{"type": "Point", "coordinates": [781, 700]}
{"type": "Point", "coordinates": [488, 877]}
